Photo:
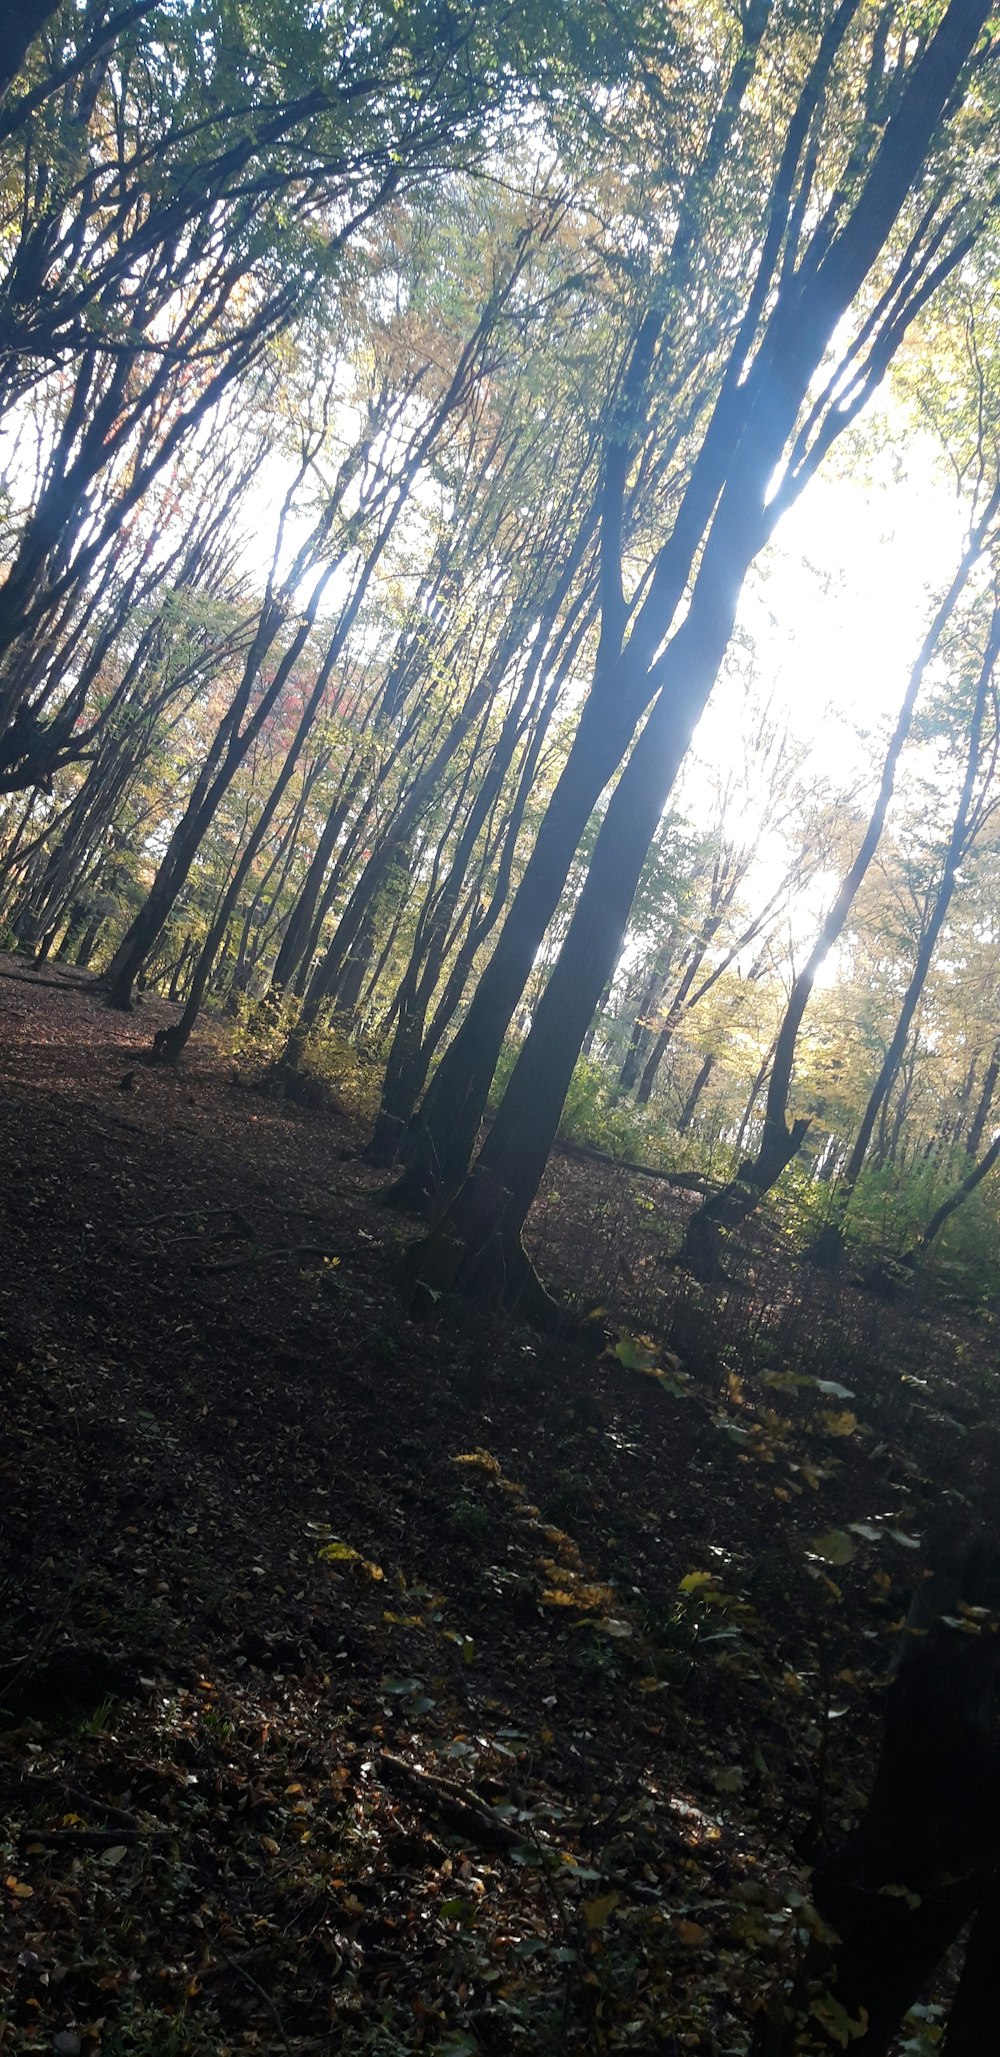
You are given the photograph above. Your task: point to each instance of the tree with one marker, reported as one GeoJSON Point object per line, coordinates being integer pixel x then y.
{"type": "Point", "coordinates": [975, 804]}
{"type": "Point", "coordinates": [728, 509]}
{"type": "Point", "coordinates": [173, 198]}
{"type": "Point", "coordinates": [780, 1141]}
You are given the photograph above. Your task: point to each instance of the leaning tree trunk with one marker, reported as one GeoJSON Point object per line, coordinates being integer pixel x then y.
{"type": "Point", "coordinates": [20, 22]}
{"type": "Point", "coordinates": [411, 1052]}
{"type": "Point", "coordinates": [727, 496]}
{"type": "Point", "coordinates": [686, 1115]}
{"type": "Point", "coordinates": [828, 1244]}
{"type": "Point", "coordinates": [984, 1103]}
{"type": "Point", "coordinates": [958, 1198]}
{"type": "Point", "coordinates": [701, 1249]}
{"type": "Point", "coordinates": [665, 1033]}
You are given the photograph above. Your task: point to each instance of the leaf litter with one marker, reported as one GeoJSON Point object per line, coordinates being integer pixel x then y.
{"type": "Point", "coordinates": [372, 1684]}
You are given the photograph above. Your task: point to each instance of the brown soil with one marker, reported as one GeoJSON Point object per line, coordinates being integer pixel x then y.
{"type": "Point", "coordinates": [272, 1545]}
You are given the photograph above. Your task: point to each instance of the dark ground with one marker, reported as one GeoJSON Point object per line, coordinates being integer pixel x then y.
{"type": "Point", "coordinates": [370, 1683]}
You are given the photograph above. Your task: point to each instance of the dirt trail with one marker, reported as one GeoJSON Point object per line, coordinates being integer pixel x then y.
{"type": "Point", "coordinates": [259, 1527]}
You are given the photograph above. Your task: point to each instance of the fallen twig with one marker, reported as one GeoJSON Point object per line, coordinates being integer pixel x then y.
{"type": "Point", "coordinates": [258, 1256]}
{"type": "Point", "coordinates": [93, 1838]}
{"type": "Point", "coordinates": [262, 1994]}
{"type": "Point", "coordinates": [691, 1181]}
{"type": "Point", "coordinates": [457, 1804]}
{"type": "Point", "coordinates": [473, 1816]}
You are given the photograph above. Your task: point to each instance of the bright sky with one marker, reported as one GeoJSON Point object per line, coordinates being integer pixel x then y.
{"type": "Point", "coordinates": [838, 606]}
{"type": "Point", "coordinates": [835, 610]}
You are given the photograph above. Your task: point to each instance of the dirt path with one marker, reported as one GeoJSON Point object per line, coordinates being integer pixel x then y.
{"type": "Point", "coordinates": [270, 1549]}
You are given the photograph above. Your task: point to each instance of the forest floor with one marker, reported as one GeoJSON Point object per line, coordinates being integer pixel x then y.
{"type": "Point", "coordinates": [371, 1682]}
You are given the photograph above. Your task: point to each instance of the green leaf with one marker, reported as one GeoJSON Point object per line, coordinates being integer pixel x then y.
{"type": "Point", "coordinates": [835, 1546]}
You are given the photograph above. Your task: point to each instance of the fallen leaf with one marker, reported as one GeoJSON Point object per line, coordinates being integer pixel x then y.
{"type": "Point", "coordinates": [691, 1932]}
{"type": "Point", "coordinates": [597, 1913]}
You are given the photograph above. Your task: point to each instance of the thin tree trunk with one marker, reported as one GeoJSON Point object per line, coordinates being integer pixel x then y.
{"type": "Point", "coordinates": [830, 1239]}
{"type": "Point", "coordinates": [984, 1103]}
{"type": "Point", "coordinates": [957, 1199]}
{"type": "Point", "coordinates": [686, 1115]}
{"type": "Point", "coordinates": [700, 1250]}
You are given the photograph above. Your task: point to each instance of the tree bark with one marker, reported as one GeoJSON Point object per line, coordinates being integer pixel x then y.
{"type": "Point", "coordinates": [20, 22]}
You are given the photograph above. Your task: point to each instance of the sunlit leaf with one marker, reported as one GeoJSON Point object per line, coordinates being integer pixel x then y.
{"type": "Point", "coordinates": [843, 1424]}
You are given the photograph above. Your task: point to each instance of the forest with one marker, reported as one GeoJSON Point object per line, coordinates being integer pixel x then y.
{"type": "Point", "coordinates": [499, 974]}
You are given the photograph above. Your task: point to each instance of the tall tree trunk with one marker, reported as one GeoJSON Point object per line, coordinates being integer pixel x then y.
{"type": "Point", "coordinates": [665, 1032]}
{"type": "Point", "coordinates": [437, 1150]}
{"type": "Point", "coordinates": [727, 492]}
{"type": "Point", "coordinates": [829, 1242]}
{"type": "Point", "coordinates": [411, 1052]}
{"type": "Point", "coordinates": [641, 1036]}
{"type": "Point", "coordinates": [176, 1037]}
{"type": "Point", "coordinates": [701, 1249]}
{"type": "Point", "coordinates": [479, 1243]}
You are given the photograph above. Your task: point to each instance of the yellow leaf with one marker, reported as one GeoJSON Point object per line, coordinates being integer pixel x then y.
{"type": "Point", "coordinates": [597, 1913]}
{"type": "Point", "coordinates": [695, 1580]}
{"type": "Point", "coordinates": [843, 1424]}
{"type": "Point", "coordinates": [20, 1891]}
{"type": "Point", "coordinates": [480, 1460]}
{"type": "Point", "coordinates": [343, 1553]}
